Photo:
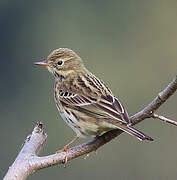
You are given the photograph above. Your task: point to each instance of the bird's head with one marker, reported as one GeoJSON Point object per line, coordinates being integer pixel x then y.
{"type": "Point", "coordinates": [62, 62]}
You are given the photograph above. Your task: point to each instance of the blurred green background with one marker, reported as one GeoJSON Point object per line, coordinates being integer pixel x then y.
{"type": "Point", "coordinates": [131, 45]}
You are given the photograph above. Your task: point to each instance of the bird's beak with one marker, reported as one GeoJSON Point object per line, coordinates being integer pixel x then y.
{"type": "Point", "coordinates": [42, 63]}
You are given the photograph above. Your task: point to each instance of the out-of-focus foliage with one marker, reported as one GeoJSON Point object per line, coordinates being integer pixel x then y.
{"type": "Point", "coordinates": [132, 45]}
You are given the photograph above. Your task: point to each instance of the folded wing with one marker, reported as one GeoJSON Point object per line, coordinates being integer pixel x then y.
{"type": "Point", "coordinates": [104, 106]}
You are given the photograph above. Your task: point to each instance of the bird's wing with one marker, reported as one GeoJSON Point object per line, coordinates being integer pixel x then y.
{"type": "Point", "coordinates": [105, 106]}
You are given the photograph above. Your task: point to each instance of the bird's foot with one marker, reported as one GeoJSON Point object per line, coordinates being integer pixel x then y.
{"type": "Point", "coordinates": [87, 156]}
{"type": "Point", "coordinates": [66, 149]}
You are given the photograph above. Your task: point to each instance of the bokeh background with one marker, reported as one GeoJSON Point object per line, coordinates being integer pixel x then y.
{"type": "Point", "coordinates": [132, 45]}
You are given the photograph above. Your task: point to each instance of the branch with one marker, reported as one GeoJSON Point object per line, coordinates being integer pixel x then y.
{"type": "Point", "coordinates": [162, 118]}
{"type": "Point", "coordinates": [22, 166]}
{"type": "Point", "coordinates": [28, 162]}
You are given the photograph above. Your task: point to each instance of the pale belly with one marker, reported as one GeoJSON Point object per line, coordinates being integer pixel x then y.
{"type": "Point", "coordinates": [85, 128]}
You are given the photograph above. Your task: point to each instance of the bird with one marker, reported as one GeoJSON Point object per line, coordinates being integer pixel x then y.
{"type": "Point", "coordinates": [84, 101]}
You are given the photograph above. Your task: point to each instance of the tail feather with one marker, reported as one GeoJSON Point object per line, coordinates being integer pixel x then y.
{"type": "Point", "coordinates": [134, 132]}
{"type": "Point", "coordinates": [130, 130]}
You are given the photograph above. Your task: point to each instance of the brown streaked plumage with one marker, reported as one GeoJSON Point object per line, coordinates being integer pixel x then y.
{"type": "Point", "coordinates": [86, 104]}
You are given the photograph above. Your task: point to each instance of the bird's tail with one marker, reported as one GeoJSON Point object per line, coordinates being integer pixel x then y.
{"type": "Point", "coordinates": [130, 130]}
{"type": "Point", "coordinates": [134, 132]}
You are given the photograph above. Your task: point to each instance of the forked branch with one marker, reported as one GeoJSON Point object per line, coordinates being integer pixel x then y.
{"type": "Point", "coordinates": [28, 160]}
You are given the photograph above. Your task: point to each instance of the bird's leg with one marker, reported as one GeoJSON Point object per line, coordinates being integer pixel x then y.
{"type": "Point", "coordinates": [66, 148]}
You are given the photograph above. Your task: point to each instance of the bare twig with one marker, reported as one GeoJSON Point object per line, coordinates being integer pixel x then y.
{"type": "Point", "coordinates": [27, 161]}
{"type": "Point", "coordinates": [156, 102]}
{"type": "Point", "coordinates": [156, 116]}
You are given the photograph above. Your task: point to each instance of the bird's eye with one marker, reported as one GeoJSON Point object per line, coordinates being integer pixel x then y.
{"type": "Point", "coordinates": [60, 63]}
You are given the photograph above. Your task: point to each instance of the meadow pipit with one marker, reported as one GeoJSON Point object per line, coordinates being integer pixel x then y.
{"type": "Point", "coordinates": [85, 102]}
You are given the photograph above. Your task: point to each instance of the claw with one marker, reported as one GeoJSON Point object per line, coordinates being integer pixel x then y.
{"type": "Point", "coordinates": [95, 151]}
{"type": "Point", "coordinates": [65, 149]}
{"type": "Point", "coordinates": [87, 156]}
{"type": "Point", "coordinates": [65, 161]}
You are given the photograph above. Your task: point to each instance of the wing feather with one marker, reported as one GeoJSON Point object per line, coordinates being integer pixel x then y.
{"type": "Point", "coordinates": [107, 107]}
